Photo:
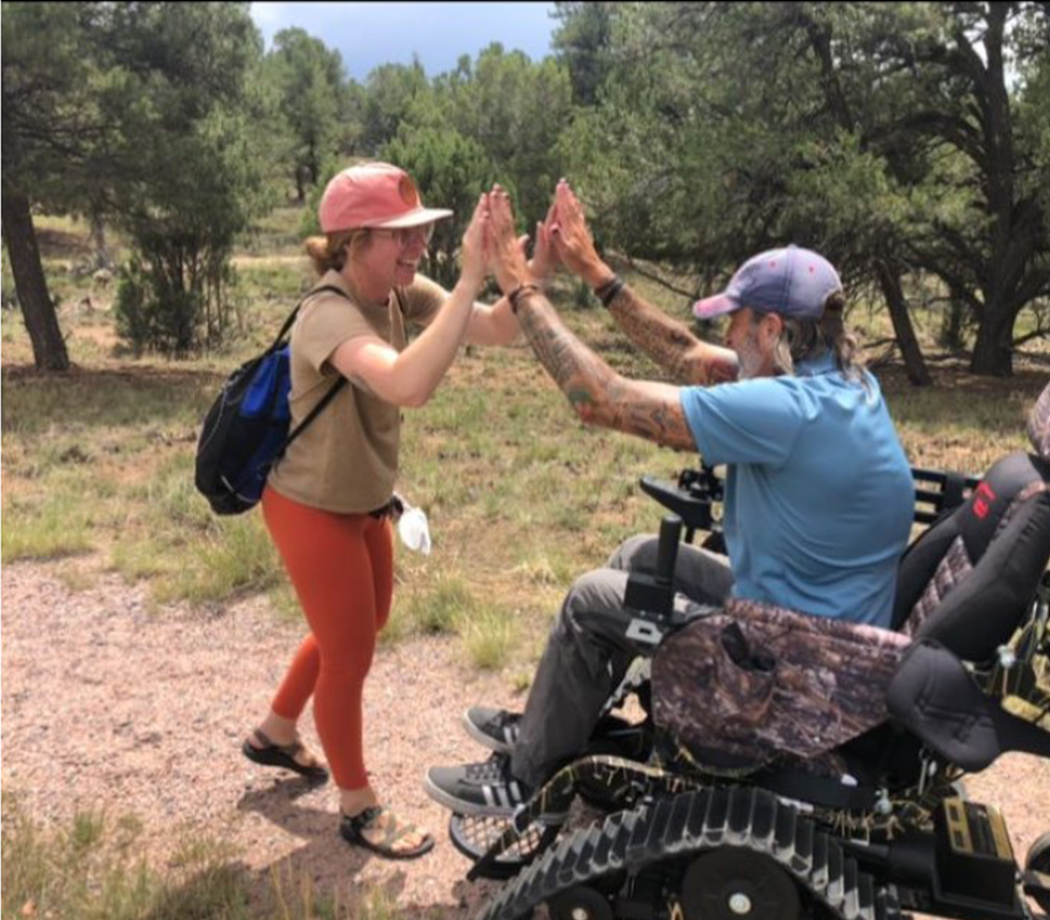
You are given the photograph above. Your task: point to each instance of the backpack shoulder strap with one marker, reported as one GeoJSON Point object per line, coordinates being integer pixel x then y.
{"type": "Point", "coordinates": [277, 342]}
{"type": "Point", "coordinates": [316, 410]}
{"type": "Point", "coordinates": [336, 387]}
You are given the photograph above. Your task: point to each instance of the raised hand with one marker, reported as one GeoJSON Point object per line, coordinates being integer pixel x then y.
{"type": "Point", "coordinates": [508, 251]}
{"type": "Point", "coordinates": [477, 244]}
{"type": "Point", "coordinates": [544, 256]}
{"type": "Point", "coordinates": [572, 239]}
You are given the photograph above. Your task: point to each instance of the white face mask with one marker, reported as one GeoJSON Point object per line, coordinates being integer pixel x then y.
{"type": "Point", "coordinates": [414, 530]}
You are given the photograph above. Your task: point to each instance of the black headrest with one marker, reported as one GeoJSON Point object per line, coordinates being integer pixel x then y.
{"type": "Point", "coordinates": [970, 576]}
{"type": "Point", "coordinates": [1008, 481]}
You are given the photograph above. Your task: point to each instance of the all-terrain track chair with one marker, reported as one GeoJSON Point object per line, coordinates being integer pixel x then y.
{"type": "Point", "coordinates": [795, 766]}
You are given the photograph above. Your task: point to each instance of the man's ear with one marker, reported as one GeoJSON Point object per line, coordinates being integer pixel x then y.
{"type": "Point", "coordinates": [772, 326]}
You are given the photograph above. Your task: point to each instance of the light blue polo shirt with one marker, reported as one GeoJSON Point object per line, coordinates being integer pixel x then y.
{"type": "Point", "coordinates": [819, 494]}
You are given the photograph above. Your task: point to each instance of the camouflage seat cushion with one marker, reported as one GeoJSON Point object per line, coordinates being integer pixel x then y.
{"type": "Point", "coordinates": [759, 682]}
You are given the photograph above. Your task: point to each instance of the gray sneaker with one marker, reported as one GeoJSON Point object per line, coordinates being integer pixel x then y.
{"type": "Point", "coordinates": [486, 788]}
{"type": "Point", "coordinates": [496, 729]}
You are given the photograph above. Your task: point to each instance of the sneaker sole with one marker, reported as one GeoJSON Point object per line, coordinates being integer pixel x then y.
{"type": "Point", "coordinates": [459, 807]}
{"type": "Point", "coordinates": [500, 747]}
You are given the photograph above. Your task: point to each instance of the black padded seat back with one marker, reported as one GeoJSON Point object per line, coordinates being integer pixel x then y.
{"type": "Point", "coordinates": [1039, 425]}
{"type": "Point", "coordinates": [968, 580]}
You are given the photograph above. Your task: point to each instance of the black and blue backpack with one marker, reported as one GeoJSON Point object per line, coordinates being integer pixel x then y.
{"type": "Point", "coordinates": [246, 430]}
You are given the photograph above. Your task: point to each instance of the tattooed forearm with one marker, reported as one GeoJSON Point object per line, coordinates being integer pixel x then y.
{"type": "Point", "coordinates": [580, 374]}
{"type": "Point", "coordinates": [650, 410]}
{"type": "Point", "coordinates": [596, 392]}
{"type": "Point", "coordinates": [670, 343]}
{"type": "Point", "coordinates": [660, 337]}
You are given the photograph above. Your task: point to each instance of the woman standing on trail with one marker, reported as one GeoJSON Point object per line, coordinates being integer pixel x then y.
{"type": "Point", "coordinates": [328, 503]}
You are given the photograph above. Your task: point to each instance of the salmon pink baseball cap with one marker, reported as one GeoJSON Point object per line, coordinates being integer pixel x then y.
{"type": "Point", "coordinates": [793, 282]}
{"type": "Point", "coordinates": [374, 195]}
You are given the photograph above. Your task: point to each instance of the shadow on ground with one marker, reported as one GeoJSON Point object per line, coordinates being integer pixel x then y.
{"type": "Point", "coordinates": [337, 881]}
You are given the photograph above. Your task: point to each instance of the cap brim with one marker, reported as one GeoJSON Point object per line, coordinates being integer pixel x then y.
{"type": "Point", "coordinates": [413, 219]}
{"type": "Point", "coordinates": [710, 307]}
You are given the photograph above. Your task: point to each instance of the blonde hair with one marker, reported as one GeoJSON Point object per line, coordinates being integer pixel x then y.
{"type": "Point", "coordinates": [330, 252]}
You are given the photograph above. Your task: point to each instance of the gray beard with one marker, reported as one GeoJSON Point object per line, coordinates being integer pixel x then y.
{"type": "Point", "coordinates": [750, 358]}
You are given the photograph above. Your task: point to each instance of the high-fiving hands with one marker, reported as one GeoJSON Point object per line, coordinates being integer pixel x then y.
{"type": "Point", "coordinates": [490, 244]}
{"type": "Point", "coordinates": [563, 236]}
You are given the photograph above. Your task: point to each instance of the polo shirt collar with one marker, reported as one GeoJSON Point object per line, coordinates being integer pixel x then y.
{"type": "Point", "coordinates": [814, 367]}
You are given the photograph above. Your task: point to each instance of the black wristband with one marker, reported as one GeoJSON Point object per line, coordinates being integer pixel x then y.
{"type": "Point", "coordinates": [520, 291]}
{"type": "Point", "coordinates": [607, 291]}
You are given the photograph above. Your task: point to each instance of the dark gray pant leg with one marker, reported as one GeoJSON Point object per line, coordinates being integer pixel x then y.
{"type": "Point", "coordinates": [583, 662]}
{"type": "Point", "coordinates": [587, 654]}
{"type": "Point", "coordinates": [703, 576]}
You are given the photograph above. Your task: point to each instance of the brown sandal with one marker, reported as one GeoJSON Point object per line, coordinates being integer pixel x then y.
{"type": "Point", "coordinates": [352, 829]}
{"type": "Point", "coordinates": [282, 755]}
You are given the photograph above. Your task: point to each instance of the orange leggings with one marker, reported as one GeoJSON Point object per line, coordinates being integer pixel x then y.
{"type": "Point", "coordinates": [342, 567]}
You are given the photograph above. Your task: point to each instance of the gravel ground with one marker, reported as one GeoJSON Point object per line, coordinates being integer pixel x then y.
{"type": "Point", "coordinates": [109, 704]}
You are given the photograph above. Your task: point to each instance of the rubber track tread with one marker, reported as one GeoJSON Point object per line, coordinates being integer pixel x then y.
{"type": "Point", "coordinates": [691, 822]}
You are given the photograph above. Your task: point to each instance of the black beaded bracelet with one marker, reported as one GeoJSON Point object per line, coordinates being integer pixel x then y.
{"type": "Point", "coordinates": [607, 291]}
{"type": "Point", "coordinates": [520, 291]}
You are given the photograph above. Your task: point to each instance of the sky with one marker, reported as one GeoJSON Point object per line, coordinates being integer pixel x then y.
{"type": "Point", "coordinates": [370, 34]}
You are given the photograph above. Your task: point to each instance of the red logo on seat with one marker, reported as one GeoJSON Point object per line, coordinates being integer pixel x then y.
{"type": "Point", "coordinates": [982, 499]}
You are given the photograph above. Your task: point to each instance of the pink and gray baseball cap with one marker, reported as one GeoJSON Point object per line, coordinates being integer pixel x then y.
{"type": "Point", "coordinates": [374, 195]}
{"type": "Point", "coordinates": [793, 282]}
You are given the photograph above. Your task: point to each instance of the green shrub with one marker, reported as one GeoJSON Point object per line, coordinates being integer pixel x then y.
{"type": "Point", "coordinates": [163, 305]}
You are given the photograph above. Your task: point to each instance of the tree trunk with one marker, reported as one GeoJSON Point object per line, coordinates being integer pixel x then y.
{"type": "Point", "coordinates": [49, 348]}
{"type": "Point", "coordinates": [952, 330]}
{"type": "Point", "coordinates": [98, 241]}
{"type": "Point", "coordinates": [914, 363]}
{"type": "Point", "coordinates": [993, 354]}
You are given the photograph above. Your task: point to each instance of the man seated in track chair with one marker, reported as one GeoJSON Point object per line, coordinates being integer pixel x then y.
{"type": "Point", "coordinates": [808, 766]}
{"type": "Point", "coordinates": [819, 495]}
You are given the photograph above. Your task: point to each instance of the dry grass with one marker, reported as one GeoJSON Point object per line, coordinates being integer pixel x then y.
{"type": "Point", "coordinates": [520, 495]}
{"type": "Point", "coordinates": [521, 499]}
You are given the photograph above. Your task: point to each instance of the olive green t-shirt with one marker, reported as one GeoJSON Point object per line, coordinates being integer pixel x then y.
{"type": "Point", "coordinates": [346, 459]}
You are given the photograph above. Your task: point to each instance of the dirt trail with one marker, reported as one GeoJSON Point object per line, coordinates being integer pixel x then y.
{"type": "Point", "coordinates": [107, 704]}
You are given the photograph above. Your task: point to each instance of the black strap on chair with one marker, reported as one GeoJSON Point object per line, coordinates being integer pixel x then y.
{"type": "Point", "coordinates": [828, 791]}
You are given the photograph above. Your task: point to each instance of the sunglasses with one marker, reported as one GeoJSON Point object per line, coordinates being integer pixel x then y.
{"type": "Point", "coordinates": [406, 235]}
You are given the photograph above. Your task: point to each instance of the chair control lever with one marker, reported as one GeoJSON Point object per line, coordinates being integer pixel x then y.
{"type": "Point", "coordinates": [649, 597]}
{"type": "Point", "coordinates": [667, 549]}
